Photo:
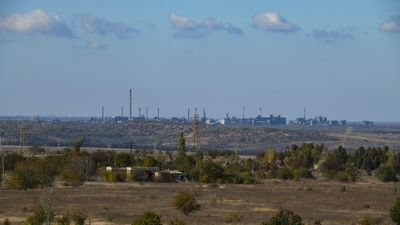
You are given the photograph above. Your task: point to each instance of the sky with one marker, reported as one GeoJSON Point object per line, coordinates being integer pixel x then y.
{"type": "Point", "coordinates": [339, 59]}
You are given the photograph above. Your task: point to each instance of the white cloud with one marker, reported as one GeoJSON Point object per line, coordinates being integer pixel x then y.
{"type": "Point", "coordinates": [187, 28]}
{"type": "Point", "coordinates": [271, 21]}
{"type": "Point", "coordinates": [96, 25]}
{"type": "Point", "coordinates": [36, 22]}
{"type": "Point", "coordinates": [211, 24]}
{"type": "Point", "coordinates": [181, 22]}
{"type": "Point", "coordinates": [391, 25]}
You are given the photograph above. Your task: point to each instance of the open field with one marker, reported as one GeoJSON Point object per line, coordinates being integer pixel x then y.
{"type": "Point", "coordinates": [121, 202]}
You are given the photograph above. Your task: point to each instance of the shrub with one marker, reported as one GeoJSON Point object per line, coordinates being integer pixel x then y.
{"type": "Point", "coordinates": [31, 174]}
{"type": "Point", "coordinates": [147, 218]}
{"type": "Point", "coordinates": [342, 176]}
{"type": "Point", "coordinates": [6, 222]}
{"type": "Point", "coordinates": [176, 222]}
{"type": "Point", "coordinates": [233, 217]}
{"type": "Point", "coordinates": [64, 220]}
{"type": "Point", "coordinates": [284, 217]}
{"type": "Point", "coordinates": [109, 176]}
{"type": "Point", "coordinates": [284, 173]}
{"type": "Point", "coordinates": [141, 175]}
{"type": "Point", "coordinates": [40, 216]}
{"type": "Point", "coordinates": [395, 212]}
{"type": "Point", "coordinates": [368, 220]}
{"type": "Point", "coordinates": [386, 174]}
{"type": "Point", "coordinates": [185, 202]}
{"type": "Point", "coordinates": [79, 218]}
{"type": "Point", "coordinates": [302, 173]}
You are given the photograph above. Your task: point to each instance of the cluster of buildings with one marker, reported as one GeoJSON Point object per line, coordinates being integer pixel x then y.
{"type": "Point", "coordinates": [318, 121]}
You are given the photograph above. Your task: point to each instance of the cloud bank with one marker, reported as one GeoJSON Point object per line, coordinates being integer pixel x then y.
{"type": "Point", "coordinates": [391, 25]}
{"type": "Point", "coordinates": [36, 22]}
{"type": "Point", "coordinates": [95, 25]}
{"type": "Point", "coordinates": [187, 28]}
{"type": "Point", "coordinates": [273, 22]}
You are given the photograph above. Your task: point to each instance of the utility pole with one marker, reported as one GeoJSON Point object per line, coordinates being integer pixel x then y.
{"type": "Point", "coordinates": [22, 139]}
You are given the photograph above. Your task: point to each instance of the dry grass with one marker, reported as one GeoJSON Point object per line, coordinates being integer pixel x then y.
{"type": "Point", "coordinates": [122, 202]}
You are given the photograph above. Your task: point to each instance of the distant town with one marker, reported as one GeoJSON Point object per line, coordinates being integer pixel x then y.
{"type": "Point", "coordinates": [203, 119]}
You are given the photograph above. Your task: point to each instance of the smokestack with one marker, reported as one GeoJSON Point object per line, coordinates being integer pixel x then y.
{"type": "Point", "coordinates": [102, 113]}
{"type": "Point", "coordinates": [130, 104]}
{"type": "Point", "coordinates": [140, 113]}
{"type": "Point", "coordinates": [304, 113]}
{"type": "Point", "coordinates": [204, 113]}
{"type": "Point", "coordinates": [243, 113]}
{"type": "Point", "coordinates": [122, 111]}
{"type": "Point", "coordinates": [188, 115]}
{"type": "Point", "coordinates": [260, 111]}
{"type": "Point", "coordinates": [158, 113]}
{"type": "Point", "coordinates": [147, 113]}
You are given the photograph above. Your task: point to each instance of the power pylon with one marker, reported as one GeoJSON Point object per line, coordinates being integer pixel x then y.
{"type": "Point", "coordinates": [195, 132]}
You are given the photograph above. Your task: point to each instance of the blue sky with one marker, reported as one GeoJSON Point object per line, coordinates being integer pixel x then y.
{"type": "Point", "coordinates": [338, 59]}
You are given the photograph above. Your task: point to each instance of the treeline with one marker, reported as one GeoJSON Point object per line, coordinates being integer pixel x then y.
{"type": "Point", "coordinates": [72, 166]}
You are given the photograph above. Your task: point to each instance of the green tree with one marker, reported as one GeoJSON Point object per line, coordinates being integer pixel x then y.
{"type": "Point", "coordinates": [77, 145]}
{"type": "Point", "coordinates": [149, 161]}
{"type": "Point", "coordinates": [186, 203]}
{"type": "Point", "coordinates": [284, 217]}
{"type": "Point", "coordinates": [386, 174]}
{"type": "Point", "coordinates": [147, 218]}
{"type": "Point", "coordinates": [181, 147]}
{"type": "Point", "coordinates": [395, 212]}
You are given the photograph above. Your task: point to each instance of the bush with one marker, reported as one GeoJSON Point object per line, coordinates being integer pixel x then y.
{"type": "Point", "coordinates": [233, 217]}
{"type": "Point", "coordinates": [31, 174]}
{"type": "Point", "coordinates": [185, 202]}
{"type": "Point", "coordinates": [342, 176]}
{"type": "Point", "coordinates": [109, 176]}
{"type": "Point", "coordinates": [395, 212]}
{"type": "Point", "coordinates": [141, 175]}
{"type": "Point", "coordinates": [284, 217]}
{"type": "Point", "coordinates": [176, 222]}
{"type": "Point", "coordinates": [386, 174]}
{"type": "Point", "coordinates": [302, 173]}
{"type": "Point", "coordinates": [40, 216]}
{"type": "Point", "coordinates": [6, 222]}
{"type": "Point", "coordinates": [147, 218]}
{"type": "Point", "coordinates": [79, 218]}
{"type": "Point", "coordinates": [368, 220]}
{"type": "Point", "coordinates": [284, 173]}
{"type": "Point", "coordinates": [64, 220]}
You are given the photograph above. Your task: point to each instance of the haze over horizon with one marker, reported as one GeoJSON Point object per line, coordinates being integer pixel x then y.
{"type": "Point", "coordinates": [338, 59]}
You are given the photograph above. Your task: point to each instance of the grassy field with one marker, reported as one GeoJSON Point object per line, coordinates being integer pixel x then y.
{"type": "Point", "coordinates": [119, 203]}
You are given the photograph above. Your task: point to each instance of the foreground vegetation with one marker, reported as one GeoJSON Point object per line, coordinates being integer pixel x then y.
{"type": "Point", "coordinates": [74, 166]}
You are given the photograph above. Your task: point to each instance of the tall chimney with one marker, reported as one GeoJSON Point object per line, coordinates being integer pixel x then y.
{"type": "Point", "coordinates": [130, 104]}
{"type": "Point", "coordinates": [102, 113]}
